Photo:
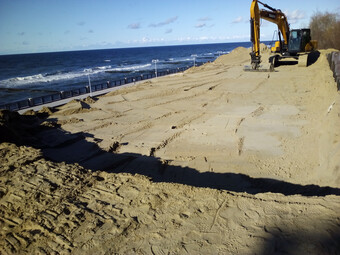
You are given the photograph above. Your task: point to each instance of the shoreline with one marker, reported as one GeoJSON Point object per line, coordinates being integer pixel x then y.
{"type": "Point", "coordinates": [67, 100]}
{"type": "Point", "coordinates": [59, 98]}
{"type": "Point", "coordinates": [84, 96]}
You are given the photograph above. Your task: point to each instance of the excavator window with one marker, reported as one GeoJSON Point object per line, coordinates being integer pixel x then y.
{"type": "Point", "coordinates": [305, 38]}
{"type": "Point", "coordinates": [294, 43]}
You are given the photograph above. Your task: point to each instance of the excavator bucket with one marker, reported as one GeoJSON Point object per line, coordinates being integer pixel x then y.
{"type": "Point", "coordinates": [269, 67]}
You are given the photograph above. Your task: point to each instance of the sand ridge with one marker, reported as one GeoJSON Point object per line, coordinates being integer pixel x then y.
{"type": "Point", "coordinates": [214, 160]}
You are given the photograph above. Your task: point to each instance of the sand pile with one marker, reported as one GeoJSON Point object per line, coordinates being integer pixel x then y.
{"type": "Point", "coordinates": [215, 160]}
{"type": "Point", "coordinates": [238, 55]}
{"type": "Point", "coordinates": [76, 106]}
{"type": "Point", "coordinates": [241, 55]}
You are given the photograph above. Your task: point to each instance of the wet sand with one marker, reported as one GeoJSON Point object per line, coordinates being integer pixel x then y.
{"type": "Point", "coordinates": [214, 160]}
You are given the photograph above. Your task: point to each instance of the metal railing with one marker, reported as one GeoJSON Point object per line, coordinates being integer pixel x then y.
{"type": "Point", "coordinates": [41, 100]}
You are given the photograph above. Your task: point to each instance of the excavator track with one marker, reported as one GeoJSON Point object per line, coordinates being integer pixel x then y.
{"type": "Point", "coordinates": [302, 62]}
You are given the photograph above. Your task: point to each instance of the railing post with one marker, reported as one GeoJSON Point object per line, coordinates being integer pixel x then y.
{"type": "Point", "coordinates": [30, 102]}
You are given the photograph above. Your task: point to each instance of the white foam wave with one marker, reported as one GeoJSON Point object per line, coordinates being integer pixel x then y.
{"type": "Point", "coordinates": [63, 76]}
{"type": "Point", "coordinates": [102, 67]}
{"type": "Point", "coordinates": [95, 69]}
{"type": "Point", "coordinates": [26, 78]}
{"type": "Point", "coordinates": [39, 78]}
{"type": "Point", "coordinates": [221, 53]}
{"type": "Point", "coordinates": [131, 68]}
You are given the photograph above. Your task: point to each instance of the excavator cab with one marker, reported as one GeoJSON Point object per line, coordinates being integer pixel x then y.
{"type": "Point", "coordinates": [298, 39]}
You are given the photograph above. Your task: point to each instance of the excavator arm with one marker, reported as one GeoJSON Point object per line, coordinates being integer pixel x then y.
{"type": "Point", "coordinates": [272, 15]}
{"type": "Point", "coordinates": [255, 34]}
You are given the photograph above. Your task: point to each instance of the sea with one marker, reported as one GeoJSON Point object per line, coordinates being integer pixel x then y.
{"type": "Point", "coordinates": [25, 76]}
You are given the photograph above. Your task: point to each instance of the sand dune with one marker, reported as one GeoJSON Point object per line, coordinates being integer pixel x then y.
{"type": "Point", "coordinates": [214, 160]}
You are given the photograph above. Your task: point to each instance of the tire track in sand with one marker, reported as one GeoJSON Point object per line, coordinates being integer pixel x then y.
{"type": "Point", "coordinates": [168, 140]}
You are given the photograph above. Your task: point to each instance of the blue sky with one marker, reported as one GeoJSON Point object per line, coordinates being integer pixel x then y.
{"type": "Point", "coordinates": [29, 26]}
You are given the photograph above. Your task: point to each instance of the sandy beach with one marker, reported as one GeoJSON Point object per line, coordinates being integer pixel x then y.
{"type": "Point", "coordinates": [214, 160]}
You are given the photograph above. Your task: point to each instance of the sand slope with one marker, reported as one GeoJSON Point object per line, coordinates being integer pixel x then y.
{"type": "Point", "coordinates": [212, 161]}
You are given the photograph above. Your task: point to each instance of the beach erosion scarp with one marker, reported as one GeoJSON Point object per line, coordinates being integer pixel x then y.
{"type": "Point", "coordinates": [212, 160]}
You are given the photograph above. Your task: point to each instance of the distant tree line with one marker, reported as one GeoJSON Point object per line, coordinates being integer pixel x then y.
{"type": "Point", "coordinates": [325, 28]}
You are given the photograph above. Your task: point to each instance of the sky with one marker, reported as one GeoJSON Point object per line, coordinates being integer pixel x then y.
{"type": "Point", "coordinates": [30, 26]}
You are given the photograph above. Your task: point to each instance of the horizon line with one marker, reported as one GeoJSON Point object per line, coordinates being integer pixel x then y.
{"type": "Point", "coordinates": [117, 48]}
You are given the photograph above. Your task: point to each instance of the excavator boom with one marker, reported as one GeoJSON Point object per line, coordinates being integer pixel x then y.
{"type": "Point", "coordinates": [272, 15]}
{"type": "Point", "coordinates": [255, 34]}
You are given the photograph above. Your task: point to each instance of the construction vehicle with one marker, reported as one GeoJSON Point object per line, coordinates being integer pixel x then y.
{"type": "Point", "coordinates": [295, 43]}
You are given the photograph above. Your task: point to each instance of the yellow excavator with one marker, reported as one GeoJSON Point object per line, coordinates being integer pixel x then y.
{"type": "Point", "coordinates": [295, 43]}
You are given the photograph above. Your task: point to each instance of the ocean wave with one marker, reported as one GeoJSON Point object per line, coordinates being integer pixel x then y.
{"type": "Point", "coordinates": [96, 69]}
{"type": "Point", "coordinates": [224, 52]}
{"type": "Point", "coordinates": [102, 67]}
{"type": "Point", "coordinates": [206, 57]}
{"type": "Point", "coordinates": [71, 75]}
{"type": "Point", "coordinates": [39, 78]}
{"type": "Point", "coordinates": [26, 78]}
{"type": "Point", "coordinates": [61, 76]}
{"type": "Point", "coordinates": [177, 61]}
{"type": "Point", "coordinates": [55, 73]}
{"type": "Point", "coordinates": [174, 62]}
{"type": "Point", "coordinates": [131, 68]}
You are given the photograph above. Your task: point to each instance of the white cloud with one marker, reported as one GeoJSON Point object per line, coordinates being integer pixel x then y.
{"type": "Point", "coordinates": [204, 19]}
{"type": "Point", "coordinates": [146, 40]}
{"type": "Point", "coordinates": [294, 16]}
{"type": "Point", "coordinates": [153, 41]}
{"type": "Point", "coordinates": [238, 20]}
{"type": "Point", "coordinates": [203, 38]}
{"type": "Point", "coordinates": [200, 25]}
{"type": "Point", "coordinates": [163, 23]}
{"type": "Point", "coordinates": [134, 26]}
{"type": "Point", "coordinates": [212, 38]}
{"type": "Point", "coordinates": [168, 31]}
